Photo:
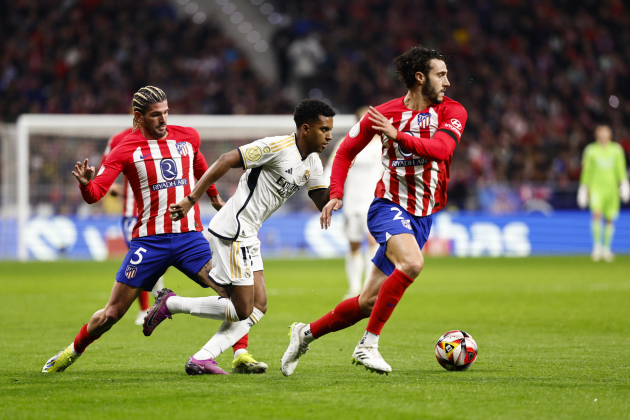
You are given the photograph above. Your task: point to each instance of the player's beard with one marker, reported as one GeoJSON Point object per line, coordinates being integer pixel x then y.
{"type": "Point", "coordinates": [155, 131]}
{"type": "Point", "coordinates": [429, 91]}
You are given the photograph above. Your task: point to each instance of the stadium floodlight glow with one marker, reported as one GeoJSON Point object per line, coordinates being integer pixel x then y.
{"type": "Point", "coordinates": [210, 128]}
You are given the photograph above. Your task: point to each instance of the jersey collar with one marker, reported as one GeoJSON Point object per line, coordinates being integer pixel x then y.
{"type": "Point", "coordinates": [298, 149]}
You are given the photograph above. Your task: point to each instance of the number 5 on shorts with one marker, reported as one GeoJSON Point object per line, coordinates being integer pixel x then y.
{"type": "Point", "coordinates": [139, 254]}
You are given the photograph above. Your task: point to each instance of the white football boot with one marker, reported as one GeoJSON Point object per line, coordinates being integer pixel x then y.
{"type": "Point", "coordinates": [596, 255]}
{"type": "Point", "coordinates": [297, 347]}
{"type": "Point", "coordinates": [607, 254]}
{"type": "Point", "coordinates": [368, 356]}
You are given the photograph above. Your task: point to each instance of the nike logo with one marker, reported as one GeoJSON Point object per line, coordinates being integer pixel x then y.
{"type": "Point", "coordinates": [150, 320]}
{"type": "Point", "coordinates": [142, 157]}
{"type": "Point", "coordinates": [390, 305]}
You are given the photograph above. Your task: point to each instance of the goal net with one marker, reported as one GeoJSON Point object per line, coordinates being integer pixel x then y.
{"type": "Point", "coordinates": [44, 217]}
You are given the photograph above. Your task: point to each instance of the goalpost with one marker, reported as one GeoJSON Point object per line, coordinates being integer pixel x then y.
{"type": "Point", "coordinates": [90, 132]}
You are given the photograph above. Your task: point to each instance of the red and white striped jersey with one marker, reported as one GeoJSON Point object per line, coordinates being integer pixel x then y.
{"type": "Point", "coordinates": [129, 201]}
{"type": "Point", "coordinates": [416, 183]}
{"type": "Point", "coordinates": [160, 172]}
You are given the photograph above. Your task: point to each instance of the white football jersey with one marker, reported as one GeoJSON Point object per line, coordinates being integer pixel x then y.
{"type": "Point", "coordinates": [362, 177]}
{"type": "Point", "coordinates": [275, 170]}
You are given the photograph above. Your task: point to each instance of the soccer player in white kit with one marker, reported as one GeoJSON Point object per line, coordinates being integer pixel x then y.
{"type": "Point", "coordinates": [366, 170]}
{"type": "Point", "coordinates": [276, 168]}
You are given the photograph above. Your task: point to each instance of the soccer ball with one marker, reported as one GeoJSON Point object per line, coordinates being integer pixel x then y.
{"type": "Point", "coordinates": [456, 350]}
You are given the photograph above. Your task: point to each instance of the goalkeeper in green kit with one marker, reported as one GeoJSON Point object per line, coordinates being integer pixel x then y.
{"type": "Point", "coordinates": [604, 180]}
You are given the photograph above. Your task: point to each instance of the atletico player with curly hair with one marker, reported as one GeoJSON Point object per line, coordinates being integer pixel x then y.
{"type": "Point", "coordinates": [419, 133]}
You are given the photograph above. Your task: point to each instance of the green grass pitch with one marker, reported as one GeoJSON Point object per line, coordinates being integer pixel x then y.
{"type": "Point", "coordinates": [553, 336]}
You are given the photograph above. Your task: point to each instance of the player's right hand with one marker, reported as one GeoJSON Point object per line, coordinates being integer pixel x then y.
{"type": "Point", "coordinates": [83, 173]}
{"type": "Point", "coordinates": [333, 205]}
{"type": "Point", "coordinates": [178, 211]}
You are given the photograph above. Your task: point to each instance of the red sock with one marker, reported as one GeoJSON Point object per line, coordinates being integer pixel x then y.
{"type": "Point", "coordinates": [389, 295]}
{"type": "Point", "coordinates": [83, 339]}
{"type": "Point", "coordinates": [241, 344]}
{"type": "Point", "coordinates": [346, 314]}
{"type": "Point", "coordinates": [144, 301]}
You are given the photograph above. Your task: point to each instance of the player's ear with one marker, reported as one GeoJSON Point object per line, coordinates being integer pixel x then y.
{"type": "Point", "coordinates": [420, 78]}
{"type": "Point", "coordinates": [305, 128]}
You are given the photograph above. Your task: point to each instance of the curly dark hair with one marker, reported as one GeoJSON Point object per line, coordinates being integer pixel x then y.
{"type": "Point", "coordinates": [311, 110]}
{"type": "Point", "coordinates": [417, 59]}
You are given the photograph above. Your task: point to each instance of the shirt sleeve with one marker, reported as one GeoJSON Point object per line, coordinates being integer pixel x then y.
{"type": "Point", "coordinates": [200, 166]}
{"type": "Point", "coordinates": [259, 152]}
{"type": "Point", "coordinates": [359, 136]}
{"type": "Point", "coordinates": [620, 162]}
{"type": "Point", "coordinates": [94, 190]}
{"type": "Point", "coordinates": [317, 180]}
{"type": "Point", "coordinates": [453, 121]}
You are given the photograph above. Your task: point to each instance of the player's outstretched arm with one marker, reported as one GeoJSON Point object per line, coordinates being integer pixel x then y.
{"type": "Point", "coordinates": [333, 205]}
{"type": "Point", "coordinates": [213, 174]}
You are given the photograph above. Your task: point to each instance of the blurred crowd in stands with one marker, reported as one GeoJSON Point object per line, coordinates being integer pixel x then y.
{"type": "Point", "coordinates": [535, 76]}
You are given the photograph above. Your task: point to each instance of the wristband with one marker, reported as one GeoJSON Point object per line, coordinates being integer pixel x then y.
{"type": "Point", "coordinates": [191, 200]}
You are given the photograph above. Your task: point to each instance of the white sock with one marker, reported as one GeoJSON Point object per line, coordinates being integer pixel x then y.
{"type": "Point", "coordinates": [228, 334]}
{"type": "Point", "coordinates": [211, 307]}
{"type": "Point", "coordinates": [238, 352]}
{"type": "Point", "coordinates": [369, 339]}
{"type": "Point", "coordinates": [354, 271]}
{"type": "Point", "coordinates": [369, 254]}
{"type": "Point", "coordinates": [158, 286]}
{"type": "Point", "coordinates": [307, 334]}
{"type": "Point", "coordinates": [74, 352]}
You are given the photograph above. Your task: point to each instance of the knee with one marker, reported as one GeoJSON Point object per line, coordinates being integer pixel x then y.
{"type": "Point", "coordinates": [366, 303]}
{"type": "Point", "coordinates": [243, 311]}
{"type": "Point", "coordinates": [411, 267]}
{"type": "Point", "coordinates": [111, 316]}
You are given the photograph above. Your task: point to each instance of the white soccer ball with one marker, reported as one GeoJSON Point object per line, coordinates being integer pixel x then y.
{"type": "Point", "coordinates": [456, 350]}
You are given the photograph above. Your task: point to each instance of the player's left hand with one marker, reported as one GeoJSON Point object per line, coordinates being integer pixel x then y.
{"type": "Point", "coordinates": [326, 217]}
{"type": "Point", "coordinates": [382, 124]}
{"type": "Point", "coordinates": [217, 202]}
{"type": "Point", "coordinates": [180, 210]}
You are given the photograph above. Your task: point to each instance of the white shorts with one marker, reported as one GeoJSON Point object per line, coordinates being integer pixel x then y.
{"type": "Point", "coordinates": [356, 227]}
{"type": "Point", "coordinates": [234, 262]}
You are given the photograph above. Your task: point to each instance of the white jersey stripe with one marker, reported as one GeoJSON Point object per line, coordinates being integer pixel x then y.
{"type": "Point", "coordinates": [146, 192]}
{"type": "Point", "coordinates": [130, 201]}
{"type": "Point", "coordinates": [179, 191]}
{"type": "Point", "coordinates": [163, 193]}
{"type": "Point", "coordinates": [191, 178]}
{"type": "Point", "coordinates": [414, 127]}
{"type": "Point", "coordinates": [434, 166]}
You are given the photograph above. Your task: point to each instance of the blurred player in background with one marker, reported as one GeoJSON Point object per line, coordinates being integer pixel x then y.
{"type": "Point", "coordinates": [129, 218]}
{"type": "Point", "coordinates": [603, 181]}
{"type": "Point", "coordinates": [358, 195]}
{"type": "Point", "coordinates": [276, 168]}
{"type": "Point", "coordinates": [161, 163]}
{"type": "Point", "coordinates": [419, 134]}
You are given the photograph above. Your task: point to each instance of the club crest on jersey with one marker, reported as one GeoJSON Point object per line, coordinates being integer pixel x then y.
{"type": "Point", "coordinates": [130, 271]}
{"type": "Point", "coordinates": [169, 169]}
{"type": "Point", "coordinates": [253, 154]}
{"type": "Point", "coordinates": [306, 176]}
{"type": "Point", "coordinates": [424, 119]}
{"type": "Point", "coordinates": [248, 273]}
{"type": "Point", "coordinates": [182, 148]}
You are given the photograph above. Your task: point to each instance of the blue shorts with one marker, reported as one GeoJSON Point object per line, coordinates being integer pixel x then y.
{"type": "Point", "coordinates": [386, 219]}
{"type": "Point", "coordinates": [150, 256]}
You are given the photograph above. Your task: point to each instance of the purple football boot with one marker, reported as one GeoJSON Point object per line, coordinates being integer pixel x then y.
{"type": "Point", "coordinates": [158, 312]}
{"type": "Point", "coordinates": [203, 367]}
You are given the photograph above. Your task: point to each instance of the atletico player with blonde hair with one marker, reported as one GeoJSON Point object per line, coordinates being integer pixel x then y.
{"type": "Point", "coordinates": [162, 163]}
